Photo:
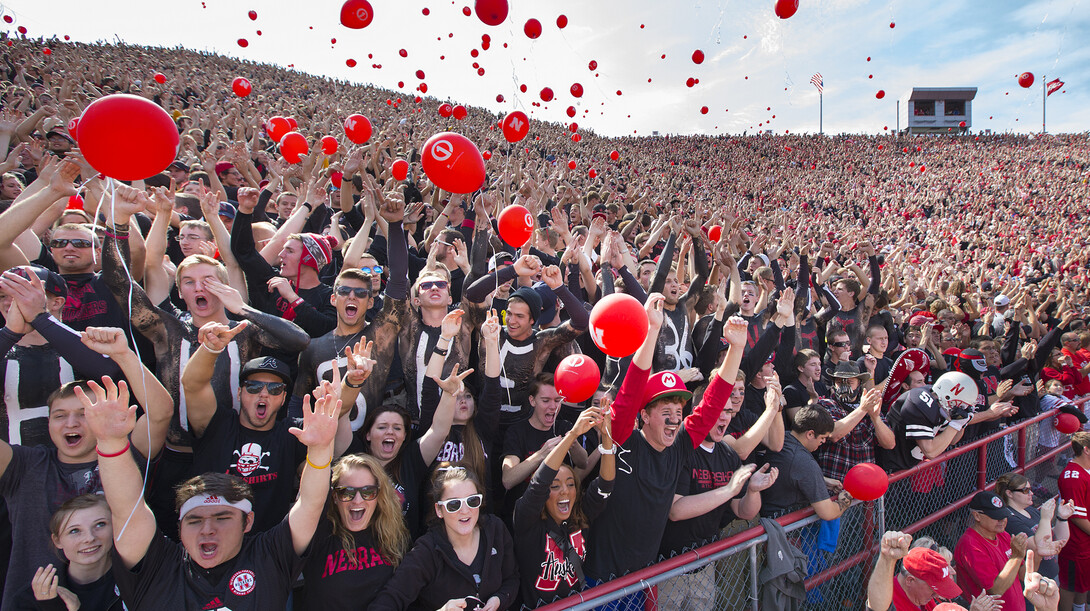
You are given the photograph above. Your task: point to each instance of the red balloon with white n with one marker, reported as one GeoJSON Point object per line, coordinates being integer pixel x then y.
{"type": "Point", "coordinates": [515, 126]}
{"type": "Point", "coordinates": [357, 128]}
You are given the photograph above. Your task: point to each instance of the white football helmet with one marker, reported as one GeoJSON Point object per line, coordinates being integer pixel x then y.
{"type": "Point", "coordinates": [955, 390]}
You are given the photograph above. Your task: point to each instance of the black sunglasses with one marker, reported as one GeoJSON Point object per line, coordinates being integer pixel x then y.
{"type": "Point", "coordinates": [254, 387]}
{"type": "Point", "coordinates": [361, 293]}
{"type": "Point", "coordinates": [77, 242]}
{"type": "Point", "coordinates": [473, 501]}
{"type": "Point", "coordinates": [840, 344]}
{"type": "Point", "coordinates": [345, 494]}
{"type": "Point", "coordinates": [433, 284]}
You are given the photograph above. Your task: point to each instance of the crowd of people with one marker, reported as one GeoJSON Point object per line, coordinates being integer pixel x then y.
{"type": "Point", "coordinates": [245, 383]}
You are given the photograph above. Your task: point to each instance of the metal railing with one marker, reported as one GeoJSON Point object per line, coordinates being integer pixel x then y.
{"type": "Point", "coordinates": [930, 498]}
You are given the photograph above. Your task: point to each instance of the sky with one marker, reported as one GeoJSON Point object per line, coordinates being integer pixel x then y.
{"type": "Point", "coordinates": [755, 75]}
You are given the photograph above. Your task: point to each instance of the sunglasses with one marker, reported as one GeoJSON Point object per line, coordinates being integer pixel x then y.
{"type": "Point", "coordinates": [1026, 490]}
{"type": "Point", "coordinates": [375, 269]}
{"type": "Point", "coordinates": [360, 293]}
{"type": "Point", "coordinates": [77, 242]}
{"type": "Point", "coordinates": [345, 494]}
{"type": "Point", "coordinates": [841, 344]}
{"type": "Point", "coordinates": [433, 284]}
{"type": "Point", "coordinates": [254, 387]}
{"type": "Point", "coordinates": [473, 501]}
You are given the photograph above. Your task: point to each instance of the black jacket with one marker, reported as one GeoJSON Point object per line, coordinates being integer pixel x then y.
{"type": "Point", "coordinates": [431, 573]}
{"type": "Point", "coordinates": [104, 590]}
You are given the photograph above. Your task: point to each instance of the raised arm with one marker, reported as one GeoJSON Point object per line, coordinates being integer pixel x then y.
{"type": "Point", "coordinates": [432, 441]}
{"type": "Point", "coordinates": [200, 399]}
{"type": "Point", "coordinates": [630, 395]}
{"type": "Point", "coordinates": [318, 434]}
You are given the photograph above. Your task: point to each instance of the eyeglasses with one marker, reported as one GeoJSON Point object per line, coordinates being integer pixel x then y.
{"type": "Point", "coordinates": [77, 242]}
{"type": "Point", "coordinates": [453, 505]}
{"type": "Point", "coordinates": [189, 238]}
{"type": "Point", "coordinates": [345, 494]}
{"type": "Point", "coordinates": [374, 269]}
{"type": "Point", "coordinates": [360, 293]}
{"type": "Point", "coordinates": [841, 344]}
{"type": "Point", "coordinates": [1026, 490]}
{"type": "Point", "coordinates": [254, 387]}
{"type": "Point", "coordinates": [434, 284]}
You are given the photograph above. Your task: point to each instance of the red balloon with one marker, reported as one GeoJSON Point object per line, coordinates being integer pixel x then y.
{"type": "Point", "coordinates": [577, 378]}
{"type": "Point", "coordinates": [460, 112]}
{"type": "Point", "coordinates": [571, 164]}
{"type": "Point", "coordinates": [703, 110]}
{"type": "Point", "coordinates": [293, 146]}
{"type": "Point", "coordinates": [127, 137]}
{"type": "Point", "coordinates": [420, 74]}
{"type": "Point", "coordinates": [356, 14]}
{"type": "Point", "coordinates": [253, 15]}
{"type": "Point", "coordinates": [75, 202]}
{"type": "Point", "coordinates": [241, 87]}
{"type": "Point", "coordinates": [499, 98]}
{"type": "Point", "coordinates": [516, 225]}
{"type": "Point", "coordinates": [515, 126]}
{"type": "Point", "coordinates": [400, 169]}
{"type": "Point", "coordinates": [160, 78]}
{"type": "Point", "coordinates": [336, 178]}
{"type": "Point", "coordinates": [532, 28]}
{"type": "Point", "coordinates": [242, 42]}
{"type": "Point", "coordinates": [357, 128]}
{"type": "Point", "coordinates": [592, 173]}
{"type": "Point", "coordinates": [614, 155]}
{"type": "Point", "coordinates": [576, 137]}
{"type": "Point", "coordinates": [689, 82]}
{"type": "Point", "coordinates": [881, 94]}
{"type": "Point", "coordinates": [574, 127]}
{"type": "Point", "coordinates": [292, 123]}
{"type": "Point", "coordinates": [445, 110]}
{"type": "Point", "coordinates": [593, 65]}
{"type": "Point", "coordinates": [577, 90]}
{"type": "Point", "coordinates": [351, 63]}
{"type": "Point", "coordinates": [403, 53]}
{"type": "Point", "coordinates": [786, 8]}
{"type": "Point", "coordinates": [866, 481]}
{"type": "Point", "coordinates": [1067, 423]}
{"type": "Point", "coordinates": [1025, 79]}
{"type": "Point", "coordinates": [715, 233]}
{"type": "Point", "coordinates": [962, 124]}
{"type": "Point", "coordinates": [453, 163]}
{"type": "Point", "coordinates": [329, 145]}
{"type": "Point", "coordinates": [466, 11]}
{"type": "Point", "coordinates": [546, 94]}
{"type": "Point", "coordinates": [618, 324]}
{"type": "Point", "coordinates": [571, 111]}
{"type": "Point", "coordinates": [562, 21]}
{"type": "Point", "coordinates": [423, 87]}
{"type": "Point", "coordinates": [73, 128]}
{"type": "Point", "coordinates": [698, 57]}
{"type": "Point", "coordinates": [487, 155]}
{"type": "Point", "coordinates": [491, 12]}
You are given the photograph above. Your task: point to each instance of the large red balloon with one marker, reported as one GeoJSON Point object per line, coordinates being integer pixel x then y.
{"type": "Point", "coordinates": [400, 169]}
{"type": "Point", "coordinates": [786, 8]}
{"type": "Point", "coordinates": [293, 146]}
{"type": "Point", "coordinates": [453, 162]}
{"type": "Point", "coordinates": [357, 128]}
{"type": "Point", "coordinates": [1067, 423]}
{"type": "Point", "coordinates": [127, 137]}
{"type": "Point", "coordinates": [1025, 79]}
{"type": "Point", "coordinates": [516, 225]}
{"type": "Point", "coordinates": [241, 87]}
{"type": "Point", "coordinates": [277, 127]}
{"type": "Point", "coordinates": [445, 110]}
{"type": "Point", "coordinates": [577, 378]}
{"type": "Point", "coordinates": [73, 128]}
{"type": "Point", "coordinates": [459, 112]}
{"type": "Point", "coordinates": [577, 90]}
{"type": "Point", "coordinates": [866, 481]}
{"type": "Point", "coordinates": [329, 145]}
{"type": "Point", "coordinates": [356, 14]}
{"type": "Point", "coordinates": [515, 126]}
{"type": "Point", "coordinates": [532, 28]}
{"type": "Point", "coordinates": [491, 12]}
{"type": "Point", "coordinates": [618, 324]}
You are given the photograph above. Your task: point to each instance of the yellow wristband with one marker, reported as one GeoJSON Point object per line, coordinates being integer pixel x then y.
{"type": "Point", "coordinates": [314, 466]}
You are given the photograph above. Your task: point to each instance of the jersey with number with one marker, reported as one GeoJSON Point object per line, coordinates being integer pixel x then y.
{"type": "Point", "coordinates": [1074, 486]}
{"type": "Point", "coordinates": [914, 416]}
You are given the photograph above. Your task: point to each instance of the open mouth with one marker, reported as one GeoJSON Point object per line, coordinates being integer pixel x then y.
{"type": "Point", "coordinates": [72, 439]}
{"type": "Point", "coordinates": [388, 446]}
{"type": "Point", "coordinates": [351, 309]}
{"type": "Point", "coordinates": [262, 409]}
{"type": "Point", "coordinates": [355, 514]}
{"type": "Point", "coordinates": [563, 507]}
{"type": "Point", "coordinates": [721, 430]}
{"type": "Point", "coordinates": [201, 302]}
{"type": "Point", "coordinates": [208, 550]}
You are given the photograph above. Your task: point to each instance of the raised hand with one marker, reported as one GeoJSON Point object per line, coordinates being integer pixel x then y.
{"type": "Point", "coordinates": [452, 323]}
{"type": "Point", "coordinates": [393, 207]}
{"type": "Point", "coordinates": [227, 294]}
{"type": "Point", "coordinates": [283, 286]}
{"type": "Point", "coordinates": [247, 199]}
{"type": "Point", "coordinates": [215, 336]}
{"type": "Point", "coordinates": [109, 416]}
{"type": "Point", "coordinates": [319, 423]}
{"type": "Point", "coordinates": [26, 290]}
{"type": "Point", "coordinates": [109, 341]}
{"type": "Point", "coordinates": [785, 305]}
{"type": "Point", "coordinates": [655, 315]}
{"type": "Point", "coordinates": [453, 384]}
{"type": "Point", "coordinates": [360, 363]}
{"type": "Point", "coordinates": [1042, 592]}
{"type": "Point", "coordinates": [734, 331]}
{"type": "Point", "coordinates": [588, 419]}
{"type": "Point", "coordinates": [490, 329]}
{"type": "Point", "coordinates": [552, 277]}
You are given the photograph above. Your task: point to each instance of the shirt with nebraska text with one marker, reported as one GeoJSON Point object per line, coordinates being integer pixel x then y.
{"type": "Point", "coordinates": [334, 578]}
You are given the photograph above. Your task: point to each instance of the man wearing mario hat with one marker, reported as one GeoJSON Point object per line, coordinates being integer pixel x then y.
{"type": "Point", "coordinates": [925, 574]}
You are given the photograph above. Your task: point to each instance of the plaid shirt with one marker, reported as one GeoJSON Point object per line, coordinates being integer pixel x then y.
{"type": "Point", "coordinates": [837, 458]}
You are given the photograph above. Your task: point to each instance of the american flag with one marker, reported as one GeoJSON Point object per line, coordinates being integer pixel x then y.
{"type": "Point", "coordinates": [816, 80]}
{"type": "Point", "coordinates": [1054, 86]}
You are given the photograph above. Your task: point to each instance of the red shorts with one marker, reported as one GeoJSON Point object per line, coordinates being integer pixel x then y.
{"type": "Point", "coordinates": [1075, 574]}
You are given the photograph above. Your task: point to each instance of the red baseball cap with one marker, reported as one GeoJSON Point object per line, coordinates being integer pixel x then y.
{"type": "Point", "coordinates": [665, 384]}
{"type": "Point", "coordinates": [930, 567]}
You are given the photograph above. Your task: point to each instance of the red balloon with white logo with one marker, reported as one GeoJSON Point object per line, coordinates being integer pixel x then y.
{"type": "Point", "coordinates": [329, 145]}
{"type": "Point", "coordinates": [1025, 79]}
{"type": "Point", "coordinates": [277, 128]}
{"type": "Point", "coordinates": [446, 110]}
{"type": "Point", "coordinates": [357, 14]}
{"type": "Point", "coordinates": [400, 169]}
{"type": "Point", "coordinates": [618, 324]}
{"type": "Point", "coordinates": [866, 481]}
{"type": "Point", "coordinates": [357, 128]}
{"type": "Point", "coordinates": [73, 128]}
{"type": "Point", "coordinates": [241, 87]}
{"type": "Point", "coordinates": [459, 112]}
{"type": "Point", "coordinates": [577, 378]}
{"type": "Point", "coordinates": [127, 137]}
{"type": "Point", "coordinates": [453, 162]}
{"type": "Point", "coordinates": [515, 126]}
{"type": "Point", "coordinates": [516, 225]}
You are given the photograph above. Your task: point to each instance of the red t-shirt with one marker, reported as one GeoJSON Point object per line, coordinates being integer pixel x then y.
{"type": "Point", "coordinates": [979, 562]}
{"type": "Point", "coordinates": [902, 603]}
{"type": "Point", "coordinates": [1075, 486]}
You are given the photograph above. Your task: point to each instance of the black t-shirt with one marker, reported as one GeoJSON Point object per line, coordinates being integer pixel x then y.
{"type": "Point", "coordinates": [331, 581]}
{"type": "Point", "coordinates": [29, 375]}
{"type": "Point", "coordinates": [796, 394]}
{"type": "Point", "coordinates": [881, 368]}
{"type": "Point", "coordinates": [267, 460]}
{"type": "Point", "coordinates": [705, 470]}
{"type": "Point", "coordinates": [101, 594]}
{"type": "Point", "coordinates": [91, 304]}
{"type": "Point", "coordinates": [521, 441]}
{"type": "Point", "coordinates": [675, 347]}
{"type": "Point", "coordinates": [259, 578]}
{"type": "Point", "coordinates": [1018, 523]}
{"type": "Point", "coordinates": [800, 480]}
{"type": "Point", "coordinates": [914, 415]}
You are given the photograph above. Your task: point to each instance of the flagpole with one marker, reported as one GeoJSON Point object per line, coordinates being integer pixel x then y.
{"type": "Point", "coordinates": [821, 111]}
{"type": "Point", "coordinates": [1044, 100]}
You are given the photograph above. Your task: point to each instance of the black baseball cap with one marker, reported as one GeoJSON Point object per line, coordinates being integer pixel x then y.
{"type": "Point", "coordinates": [52, 281]}
{"type": "Point", "coordinates": [989, 504]}
{"type": "Point", "coordinates": [266, 364]}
